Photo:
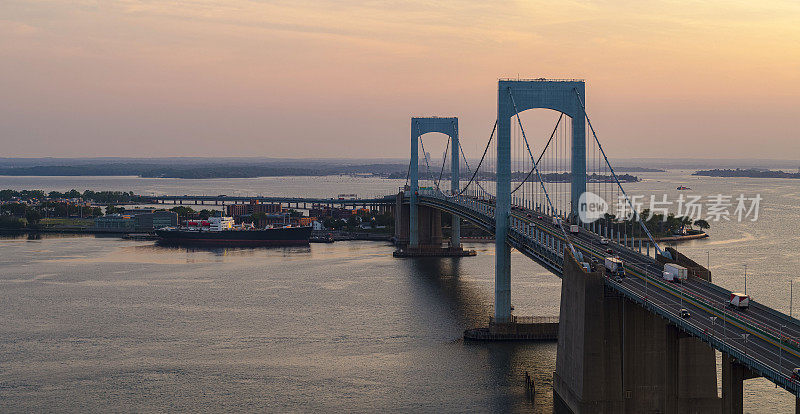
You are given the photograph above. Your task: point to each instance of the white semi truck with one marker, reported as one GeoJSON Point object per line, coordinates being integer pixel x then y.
{"type": "Point", "coordinates": [614, 265]}
{"type": "Point", "coordinates": [674, 273]}
{"type": "Point", "coordinates": [740, 300]}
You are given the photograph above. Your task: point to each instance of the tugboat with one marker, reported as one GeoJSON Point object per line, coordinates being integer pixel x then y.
{"type": "Point", "coordinates": [221, 231]}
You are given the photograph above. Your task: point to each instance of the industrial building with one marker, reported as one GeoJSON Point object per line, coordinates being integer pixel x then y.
{"type": "Point", "coordinates": [142, 222]}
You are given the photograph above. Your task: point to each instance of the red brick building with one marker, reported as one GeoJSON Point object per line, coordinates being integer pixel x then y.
{"type": "Point", "coordinates": [236, 210]}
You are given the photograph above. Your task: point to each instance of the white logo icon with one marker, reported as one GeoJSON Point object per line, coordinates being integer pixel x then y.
{"type": "Point", "coordinates": [591, 207]}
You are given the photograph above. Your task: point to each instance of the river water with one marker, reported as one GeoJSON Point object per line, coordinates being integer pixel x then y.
{"type": "Point", "coordinates": [104, 324]}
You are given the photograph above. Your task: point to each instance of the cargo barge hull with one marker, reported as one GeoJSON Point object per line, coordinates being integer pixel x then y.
{"type": "Point", "coordinates": [288, 236]}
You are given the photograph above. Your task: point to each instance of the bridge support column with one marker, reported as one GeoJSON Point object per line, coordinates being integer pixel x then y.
{"type": "Point", "coordinates": [733, 376]}
{"type": "Point", "coordinates": [401, 221]}
{"type": "Point", "coordinates": [413, 176]}
{"type": "Point", "coordinates": [455, 186]}
{"type": "Point", "coordinates": [429, 233]}
{"type": "Point", "coordinates": [502, 211]}
{"type": "Point", "coordinates": [616, 356]}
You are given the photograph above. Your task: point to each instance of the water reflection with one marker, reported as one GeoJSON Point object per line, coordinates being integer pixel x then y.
{"type": "Point", "coordinates": [223, 251]}
{"type": "Point", "coordinates": [442, 285]}
{"type": "Point", "coordinates": [34, 236]}
{"type": "Point", "coordinates": [439, 281]}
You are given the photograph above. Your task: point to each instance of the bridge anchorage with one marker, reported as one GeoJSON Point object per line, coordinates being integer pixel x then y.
{"type": "Point", "coordinates": [418, 229]}
{"type": "Point", "coordinates": [625, 343]}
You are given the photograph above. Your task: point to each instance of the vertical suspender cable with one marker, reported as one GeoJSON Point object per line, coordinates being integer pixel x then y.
{"type": "Point", "coordinates": [611, 169]}
{"type": "Point", "coordinates": [560, 222]}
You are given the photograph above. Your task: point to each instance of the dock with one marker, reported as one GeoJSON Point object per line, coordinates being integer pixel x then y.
{"type": "Point", "coordinates": [521, 328]}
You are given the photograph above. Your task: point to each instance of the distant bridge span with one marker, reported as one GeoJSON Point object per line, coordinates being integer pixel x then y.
{"type": "Point", "coordinates": [226, 200]}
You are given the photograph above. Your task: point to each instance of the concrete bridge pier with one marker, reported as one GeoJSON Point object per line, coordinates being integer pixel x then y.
{"type": "Point", "coordinates": [401, 222]}
{"type": "Point", "coordinates": [615, 356]}
{"type": "Point", "coordinates": [428, 235]}
{"type": "Point", "coordinates": [733, 377]}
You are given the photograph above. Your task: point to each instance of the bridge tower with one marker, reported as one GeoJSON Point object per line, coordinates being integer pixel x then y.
{"type": "Point", "coordinates": [514, 96]}
{"type": "Point", "coordinates": [421, 126]}
{"type": "Point", "coordinates": [430, 228]}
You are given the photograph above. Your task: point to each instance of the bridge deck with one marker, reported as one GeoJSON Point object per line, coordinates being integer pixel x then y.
{"type": "Point", "coordinates": [762, 338]}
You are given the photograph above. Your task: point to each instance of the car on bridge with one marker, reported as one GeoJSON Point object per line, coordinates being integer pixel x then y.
{"type": "Point", "coordinates": [602, 240]}
{"type": "Point", "coordinates": [685, 313]}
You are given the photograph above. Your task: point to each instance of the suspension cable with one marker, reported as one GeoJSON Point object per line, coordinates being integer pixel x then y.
{"type": "Point", "coordinates": [461, 149]}
{"type": "Point", "coordinates": [469, 170]}
{"type": "Point", "coordinates": [611, 169]}
{"type": "Point", "coordinates": [541, 183]}
{"type": "Point", "coordinates": [478, 167]}
{"type": "Point", "coordinates": [540, 155]}
{"type": "Point", "coordinates": [424, 154]}
{"type": "Point", "coordinates": [444, 161]}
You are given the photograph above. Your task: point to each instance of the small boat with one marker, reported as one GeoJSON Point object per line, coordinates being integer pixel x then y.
{"type": "Point", "coordinates": [683, 188]}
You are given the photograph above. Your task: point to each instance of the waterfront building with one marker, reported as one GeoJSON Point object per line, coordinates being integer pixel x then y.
{"type": "Point", "coordinates": [237, 210]}
{"type": "Point", "coordinates": [155, 220]}
{"type": "Point", "coordinates": [144, 222]}
{"type": "Point", "coordinates": [115, 223]}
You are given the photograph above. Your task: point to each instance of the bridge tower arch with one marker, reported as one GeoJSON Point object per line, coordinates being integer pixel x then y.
{"type": "Point", "coordinates": [515, 96]}
{"type": "Point", "coordinates": [419, 127]}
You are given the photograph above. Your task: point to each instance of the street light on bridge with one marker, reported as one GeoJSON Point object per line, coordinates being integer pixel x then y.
{"type": "Point", "coordinates": [724, 321]}
{"type": "Point", "coordinates": [745, 278]}
{"type": "Point", "coordinates": [713, 320]}
{"type": "Point", "coordinates": [780, 347]}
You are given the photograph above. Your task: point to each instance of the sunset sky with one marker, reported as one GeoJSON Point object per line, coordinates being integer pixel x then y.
{"type": "Point", "coordinates": [696, 79]}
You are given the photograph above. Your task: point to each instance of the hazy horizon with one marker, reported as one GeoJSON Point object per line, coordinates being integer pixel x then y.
{"type": "Point", "coordinates": [143, 78]}
{"type": "Point", "coordinates": [642, 162]}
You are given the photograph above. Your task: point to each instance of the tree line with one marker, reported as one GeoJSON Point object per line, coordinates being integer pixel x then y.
{"type": "Point", "coordinates": [88, 195]}
{"type": "Point", "coordinates": [658, 224]}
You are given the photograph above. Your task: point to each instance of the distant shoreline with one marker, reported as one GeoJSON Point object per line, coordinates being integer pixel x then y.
{"type": "Point", "coordinates": [212, 169]}
{"type": "Point", "coordinates": [746, 173]}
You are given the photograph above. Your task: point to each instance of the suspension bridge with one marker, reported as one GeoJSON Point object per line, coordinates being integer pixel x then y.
{"type": "Point", "coordinates": [624, 343]}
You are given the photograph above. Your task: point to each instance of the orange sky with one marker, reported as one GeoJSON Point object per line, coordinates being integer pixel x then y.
{"type": "Point", "coordinates": [341, 78]}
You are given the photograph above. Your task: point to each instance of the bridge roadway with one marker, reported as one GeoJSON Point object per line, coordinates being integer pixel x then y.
{"type": "Point", "coordinates": [771, 348]}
